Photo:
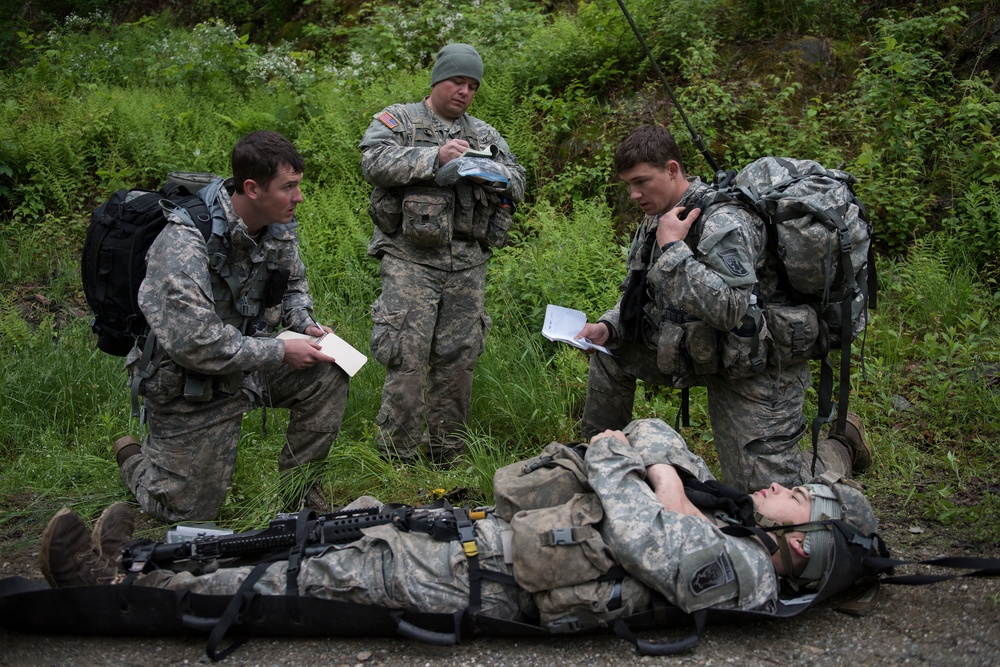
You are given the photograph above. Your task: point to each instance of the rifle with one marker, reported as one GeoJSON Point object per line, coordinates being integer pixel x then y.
{"type": "Point", "coordinates": [318, 533]}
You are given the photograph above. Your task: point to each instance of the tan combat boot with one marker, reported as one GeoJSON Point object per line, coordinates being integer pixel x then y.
{"type": "Point", "coordinates": [856, 442]}
{"type": "Point", "coordinates": [68, 556]}
{"type": "Point", "coordinates": [113, 529]}
{"type": "Point", "coordinates": [125, 448]}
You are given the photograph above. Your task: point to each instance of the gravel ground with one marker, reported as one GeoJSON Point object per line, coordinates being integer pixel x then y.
{"type": "Point", "coordinates": [950, 623]}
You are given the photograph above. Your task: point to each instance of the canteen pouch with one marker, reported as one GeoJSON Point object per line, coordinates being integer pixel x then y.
{"type": "Point", "coordinates": [498, 231]}
{"type": "Point", "coordinates": [386, 209]}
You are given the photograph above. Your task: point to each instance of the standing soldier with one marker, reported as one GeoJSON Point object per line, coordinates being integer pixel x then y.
{"type": "Point", "coordinates": [433, 241]}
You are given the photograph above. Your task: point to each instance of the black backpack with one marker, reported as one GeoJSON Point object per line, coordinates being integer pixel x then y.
{"type": "Point", "coordinates": [113, 264]}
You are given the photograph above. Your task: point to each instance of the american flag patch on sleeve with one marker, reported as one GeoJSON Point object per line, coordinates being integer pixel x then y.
{"type": "Point", "coordinates": [388, 120]}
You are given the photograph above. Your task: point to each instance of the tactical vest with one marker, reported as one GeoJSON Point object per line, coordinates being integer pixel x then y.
{"type": "Point", "coordinates": [236, 305]}
{"type": "Point", "coordinates": [429, 215]}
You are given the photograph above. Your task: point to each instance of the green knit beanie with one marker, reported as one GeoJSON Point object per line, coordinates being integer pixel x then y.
{"type": "Point", "coordinates": [457, 60]}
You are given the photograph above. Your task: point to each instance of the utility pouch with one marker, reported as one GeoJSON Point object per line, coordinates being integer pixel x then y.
{"type": "Point", "coordinates": [386, 209]}
{"type": "Point", "coordinates": [795, 332]}
{"type": "Point", "coordinates": [671, 358]}
{"type": "Point", "coordinates": [427, 216]}
{"type": "Point", "coordinates": [592, 604]}
{"type": "Point", "coordinates": [702, 343]}
{"type": "Point", "coordinates": [498, 231]}
{"type": "Point", "coordinates": [560, 546]}
{"type": "Point", "coordinates": [465, 210]}
{"type": "Point", "coordinates": [744, 353]}
{"type": "Point", "coordinates": [553, 477]}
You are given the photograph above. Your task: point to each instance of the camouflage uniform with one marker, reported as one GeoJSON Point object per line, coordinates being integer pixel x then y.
{"type": "Point", "coordinates": [429, 322]}
{"type": "Point", "coordinates": [757, 420]}
{"type": "Point", "coordinates": [664, 550]}
{"type": "Point", "coordinates": [189, 455]}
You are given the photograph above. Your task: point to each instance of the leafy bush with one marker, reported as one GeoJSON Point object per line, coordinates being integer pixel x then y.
{"type": "Point", "coordinates": [927, 136]}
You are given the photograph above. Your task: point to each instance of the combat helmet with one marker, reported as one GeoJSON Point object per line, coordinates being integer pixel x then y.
{"type": "Point", "coordinates": [840, 534]}
{"type": "Point", "coordinates": [833, 498]}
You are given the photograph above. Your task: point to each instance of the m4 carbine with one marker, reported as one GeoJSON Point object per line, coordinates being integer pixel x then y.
{"type": "Point", "coordinates": [314, 533]}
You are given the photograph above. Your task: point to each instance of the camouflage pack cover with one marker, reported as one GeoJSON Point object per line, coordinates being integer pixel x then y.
{"type": "Point", "coordinates": [821, 228]}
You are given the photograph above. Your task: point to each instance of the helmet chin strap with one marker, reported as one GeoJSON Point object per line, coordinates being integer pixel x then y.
{"type": "Point", "coordinates": [779, 544]}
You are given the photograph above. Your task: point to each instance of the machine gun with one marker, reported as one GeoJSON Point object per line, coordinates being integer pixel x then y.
{"type": "Point", "coordinates": [318, 532]}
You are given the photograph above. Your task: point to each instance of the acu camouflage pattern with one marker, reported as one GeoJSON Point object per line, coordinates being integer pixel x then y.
{"type": "Point", "coordinates": [429, 323]}
{"type": "Point", "coordinates": [686, 559]}
{"type": "Point", "coordinates": [757, 419]}
{"type": "Point", "coordinates": [188, 457]}
{"type": "Point", "coordinates": [811, 271]}
{"type": "Point", "coordinates": [429, 328]}
{"type": "Point", "coordinates": [387, 568]}
{"type": "Point", "coordinates": [406, 155]}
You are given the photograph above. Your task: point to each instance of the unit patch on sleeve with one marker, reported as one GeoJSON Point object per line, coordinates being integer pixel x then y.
{"type": "Point", "coordinates": [712, 575]}
{"type": "Point", "coordinates": [731, 257]}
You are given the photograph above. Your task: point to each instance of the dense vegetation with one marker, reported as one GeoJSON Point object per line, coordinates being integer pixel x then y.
{"type": "Point", "coordinates": [903, 95]}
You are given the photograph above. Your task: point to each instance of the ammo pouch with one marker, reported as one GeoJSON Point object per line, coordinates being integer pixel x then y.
{"type": "Point", "coordinates": [796, 333]}
{"type": "Point", "coordinates": [702, 343]}
{"type": "Point", "coordinates": [200, 388]}
{"type": "Point", "coordinates": [745, 355]}
{"type": "Point", "coordinates": [480, 215]}
{"type": "Point", "coordinates": [560, 546]}
{"type": "Point", "coordinates": [427, 216]}
{"type": "Point", "coordinates": [386, 209]}
{"type": "Point", "coordinates": [471, 215]}
{"type": "Point", "coordinates": [549, 479]}
{"type": "Point", "coordinates": [671, 357]}
{"type": "Point", "coordinates": [687, 348]}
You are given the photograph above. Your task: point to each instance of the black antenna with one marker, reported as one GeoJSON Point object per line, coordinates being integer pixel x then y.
{"type": "Point", "coordinates": [694, 135]}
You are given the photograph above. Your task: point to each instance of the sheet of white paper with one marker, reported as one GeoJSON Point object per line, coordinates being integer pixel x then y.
{"type": "Point", "coordinates": [347, 357]}
{"type": "Point", "coordinates": [562, 324]}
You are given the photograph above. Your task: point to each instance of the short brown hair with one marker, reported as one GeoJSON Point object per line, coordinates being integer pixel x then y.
{"type": "Point", "coordinates": [259, 155]}
{"type": "Point", "coordinates": [650, 144]}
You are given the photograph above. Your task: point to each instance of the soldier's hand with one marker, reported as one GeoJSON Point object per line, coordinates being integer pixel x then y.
{"type": "Point", "coordinates": [301, 354]}
{"type": "Point", "coordinates": [317, 330]}
{"type": "Point", "coordinates": [618, 435]}
{"type": "Point", "coordinates": [597, 334]}
{"type": "Point", "coordinates": [675, 224]}
{"type": "Point", "coordinates": [451, 150]}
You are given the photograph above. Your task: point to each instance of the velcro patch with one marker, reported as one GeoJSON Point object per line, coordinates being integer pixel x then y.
{"type": "Point", "coordinates": [731, 258]}
{"type": "Point", "coordinates": [712, 575]}
{"type": "Point", "coordinates": [388, 120]}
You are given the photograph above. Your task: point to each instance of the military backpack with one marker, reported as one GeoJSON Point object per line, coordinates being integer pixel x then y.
{"type": "Point", "coordinates": [820, 237]}
{"type": "Point", "coordinates": [113, 263]}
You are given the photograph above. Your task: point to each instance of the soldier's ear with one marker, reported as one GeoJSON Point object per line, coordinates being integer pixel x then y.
{"type": "Point", "coordinates": [251, 189]}
{"type": "Point", "coordinates": [797, 546]}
